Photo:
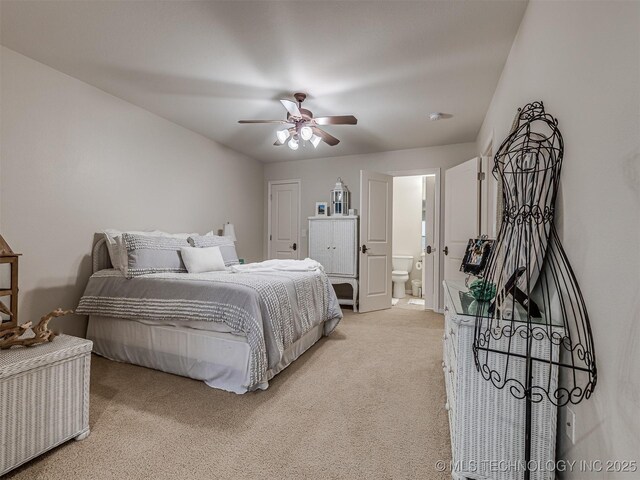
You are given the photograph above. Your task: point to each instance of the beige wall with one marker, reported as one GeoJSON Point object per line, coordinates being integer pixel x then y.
{"type": "Point", "coordinates": [76, 160]}
{"type": "Point", "coordinates": [583, 60]}
{"type": "Point", "coordinates": [407, 220]}
{"type": "Point", "coordinates": [318, 176]}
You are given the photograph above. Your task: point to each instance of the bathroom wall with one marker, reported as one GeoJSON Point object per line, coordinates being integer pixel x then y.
{"type": "Point", "coordinates": [407, 220]}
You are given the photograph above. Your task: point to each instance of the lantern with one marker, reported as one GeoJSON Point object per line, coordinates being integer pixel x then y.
{"type": "Point", "coordinates": [340, 198]}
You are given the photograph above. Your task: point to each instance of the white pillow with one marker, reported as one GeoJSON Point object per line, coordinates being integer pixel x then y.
{"type": "Point", "coordinates": [198, 260]}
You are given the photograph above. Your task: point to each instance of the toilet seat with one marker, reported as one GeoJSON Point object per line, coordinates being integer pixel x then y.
{"type": "Point", "coordinates": [399, 272]}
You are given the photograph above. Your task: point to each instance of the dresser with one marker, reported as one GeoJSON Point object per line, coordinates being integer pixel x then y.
{"type": "Point", "coordinates": [45, 398]}
{"type": "Point", "coordinates": [333, 242]}
{"type": "Point", "coordinates": [487, 424]}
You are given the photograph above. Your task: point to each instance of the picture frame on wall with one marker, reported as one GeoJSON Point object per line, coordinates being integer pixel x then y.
{"type": "Point", "coordinates": [322, 209]}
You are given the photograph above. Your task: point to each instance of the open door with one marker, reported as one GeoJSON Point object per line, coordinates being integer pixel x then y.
{"type": "Point", "coordinates": [461, 214]}
{"type": "Point", "coordinates": [376, 196]}
{"type": "Point", "coordinates": [430, 274]}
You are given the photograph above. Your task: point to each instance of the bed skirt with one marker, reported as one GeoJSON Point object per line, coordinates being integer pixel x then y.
{"type": "Point", "coordinates": [221, 360]}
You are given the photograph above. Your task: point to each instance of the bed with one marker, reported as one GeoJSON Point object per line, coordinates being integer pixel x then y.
{"type": "Point", "coordinates": [234, 329]}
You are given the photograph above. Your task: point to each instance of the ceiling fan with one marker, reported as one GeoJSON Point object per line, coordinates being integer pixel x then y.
{"type": "Point", "coordinates": [301, 125]}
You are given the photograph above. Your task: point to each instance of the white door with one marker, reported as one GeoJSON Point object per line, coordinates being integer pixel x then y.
{"type": "Point", "coordinates": [489, 199]}
{"type": "Point", "coordinates": [429, 281]}
{"type": "Point", "coordinates": [376, 197]}
{"type": "Point", "coordinates": [461, 215]}
{"type": "Point", "coordinates": [284, 231]}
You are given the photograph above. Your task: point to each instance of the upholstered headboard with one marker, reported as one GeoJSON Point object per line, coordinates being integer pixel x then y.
{"type": "Point", "coordinates": [100, 254]}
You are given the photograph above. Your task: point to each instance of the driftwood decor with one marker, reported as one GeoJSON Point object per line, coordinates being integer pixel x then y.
{"type": "Point", "coordinates": [8, 256]}
{"type": "Point", "coordinates": [10, 337]}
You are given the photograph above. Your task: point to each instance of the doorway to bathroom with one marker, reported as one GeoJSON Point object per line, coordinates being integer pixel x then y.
{"type": "Point", "coordinates": [415, 235]}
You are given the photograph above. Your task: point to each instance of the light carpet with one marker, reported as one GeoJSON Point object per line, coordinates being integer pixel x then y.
{"type": "Point", "coordinates": [365, 402]}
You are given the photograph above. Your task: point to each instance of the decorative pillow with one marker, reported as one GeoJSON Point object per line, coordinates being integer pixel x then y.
{"type": "Point", "coordinates": [209, 241]}
{"type": "Point", "coordinates": [226, 244]}
{"type": "Point", "coordinates": [152, 254]}
{"type": "Point", "coordinates": [117, 253]}
{"type": "Point", "coordinates": [229, 255]}
{"type": "Point", "coordinates": [183, 236]}
{"type": "Point", "coordinates": [198, 260]}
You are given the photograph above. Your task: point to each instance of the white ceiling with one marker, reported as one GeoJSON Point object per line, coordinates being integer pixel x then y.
{"type": "Point", "coordinates": [205, 65]}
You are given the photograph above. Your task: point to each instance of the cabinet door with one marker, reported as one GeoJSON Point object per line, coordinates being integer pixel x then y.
{"type": "Point", "coordinates": [320, 243]}
{"type": "Point", "coordinates": [344, 247]}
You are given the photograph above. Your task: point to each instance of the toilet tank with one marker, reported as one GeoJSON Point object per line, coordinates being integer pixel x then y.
{"type": "Point", "coordinates": [402, 262]}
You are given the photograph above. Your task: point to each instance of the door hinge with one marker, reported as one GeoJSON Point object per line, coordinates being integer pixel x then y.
{"type": "Point", "coordinates": [480, 175]}
{"type": "Point", "coordinates": [270, 238]}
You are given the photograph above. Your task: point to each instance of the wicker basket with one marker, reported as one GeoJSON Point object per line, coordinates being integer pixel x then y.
{"type": "Point", "coordinates": [44, 398]}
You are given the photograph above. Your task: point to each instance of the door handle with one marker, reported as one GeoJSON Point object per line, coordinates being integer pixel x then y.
{"type": "Point", "coordinates": [364, 249]}
{"type": "Point", "coordinates": [294, 247]}
{"type": "Point", "coordinates": [428, 250]}
{"type": "Point", "coordinates": [446, 250]}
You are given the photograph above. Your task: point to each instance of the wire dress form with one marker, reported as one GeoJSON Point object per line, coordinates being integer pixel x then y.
{"type": "Point", "coordinates": [537, 327]}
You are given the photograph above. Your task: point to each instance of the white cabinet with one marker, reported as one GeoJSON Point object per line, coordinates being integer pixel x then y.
{"type": "Point", "coordinates": [333, 242]}
{"type": "Point", "coordinates": [487, 424]}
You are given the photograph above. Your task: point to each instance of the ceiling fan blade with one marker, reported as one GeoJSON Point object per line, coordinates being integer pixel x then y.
{"type": "Point", "coordinates": [337, 120]}
{"type": "Point", "coordinates": [292, 108]}
{"type": "Point", "coordinates": [326, 138]}
{"type": "Point", "coordinates": [264, 121]}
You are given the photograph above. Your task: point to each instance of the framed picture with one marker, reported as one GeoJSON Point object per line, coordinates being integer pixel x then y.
{"type": "Point", "coordinates": [322, 209]}
{"type": "Point", "coordinates": [476, 256]}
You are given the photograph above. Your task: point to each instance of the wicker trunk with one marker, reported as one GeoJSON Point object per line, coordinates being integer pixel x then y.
{"type": "Point", "coordinates": [44, 398]}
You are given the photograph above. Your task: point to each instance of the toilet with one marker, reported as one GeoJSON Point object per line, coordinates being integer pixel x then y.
{"type": "Point", "coordinates": [402, 265]}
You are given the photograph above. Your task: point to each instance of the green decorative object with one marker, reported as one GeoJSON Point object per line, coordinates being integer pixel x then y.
{"type": "Point", "coordinates": [482, 290]}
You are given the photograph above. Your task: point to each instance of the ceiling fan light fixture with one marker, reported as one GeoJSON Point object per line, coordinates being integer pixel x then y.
{"type": "Point", "coordinates": [302, 126]}
{"type": "Point", "coordinates": [282, 135]}
{"type": "Point", "coordinates": [315, 141]}
{"type": "Point", "coordinates": [306, 133]}
{"type": "Point", "coordinates": [293, 143]}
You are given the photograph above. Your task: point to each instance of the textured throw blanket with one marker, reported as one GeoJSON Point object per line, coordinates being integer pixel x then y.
{"type": "Point", "coordinates": [272, 308]}
{"type": "Point", "coordinates": [306, 265]}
